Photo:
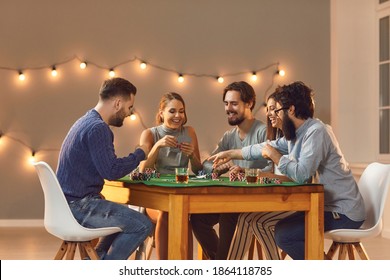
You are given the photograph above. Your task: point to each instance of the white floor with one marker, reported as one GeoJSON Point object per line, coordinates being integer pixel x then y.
{"type": "Point", "coordinates": [34, 243]}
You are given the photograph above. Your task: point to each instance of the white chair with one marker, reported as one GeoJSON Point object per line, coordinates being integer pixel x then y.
{"type": "Point", "coordinates": [373, 185]}
{"type": "Point", "coordinates": [59, 220]}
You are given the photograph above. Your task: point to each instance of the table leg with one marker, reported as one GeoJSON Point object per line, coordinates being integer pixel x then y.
{"type": "Point", "coordinates": [178, 227]}
{"type": "Point", "coordinates": [314, 228]}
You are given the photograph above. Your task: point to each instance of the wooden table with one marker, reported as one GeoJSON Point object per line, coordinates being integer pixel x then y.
{"type": "Point", "coordinates": [180, 202]}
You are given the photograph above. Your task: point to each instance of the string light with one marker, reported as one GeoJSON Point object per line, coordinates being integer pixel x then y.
{"type": "Point", "coordinates": [111, 73]}
{"type": "Point", "coordinates": [32, 159]}
{"type": "Point", "coordinates": [22, 77]}
{"type": "Point", "coordinates": [54, 71]}
{"type": "Point", "coordinates": [254, 76]}
{"type": "Point", "coordinates": [83, 65]}
{"type": "Point", "coordinates": [142, 65]}
{"type": "Point", "coordinates": [281, 72]}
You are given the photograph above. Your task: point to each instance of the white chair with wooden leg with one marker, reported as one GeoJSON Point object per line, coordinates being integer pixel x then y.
{"type": "Point", "coordinates": [373, 185]}
{"type": "Point", "coordinates": [59, 220]}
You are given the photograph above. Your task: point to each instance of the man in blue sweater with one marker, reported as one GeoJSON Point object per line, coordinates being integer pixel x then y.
{"type": "Point", "coordinates": [87, 157]}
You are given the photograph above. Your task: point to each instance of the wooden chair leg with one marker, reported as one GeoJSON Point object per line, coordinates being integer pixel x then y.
{"type": "Point", "coordinates": [90, 250]}
{"type": "Point", "coordinates": [332, 250]}
{"type": "Point", "coordinates": [283, 255]}
{"type": "Point", "coordinates": [361, 251]}
{"type": "Point", "coordinates": [149, 247]}
{"type": "Point", "coordinates": [351, 254]}
{"type": "Point", "coordinates": [94, 242]}
{"type": "Point", "coordinates": [71, 250]}
{"type": "Point", "coordinates": [342, 251]}
{"type": "Point", "coordinates": [259, 250]}
{"type": "Point", "coordinates": [255, 245]}
{"type": "Point", "coordinates": [61, 252]}
{"type": "Point", "coordinates": [251, 249]}
{"type": "Point", "coordinates": [82, 251]}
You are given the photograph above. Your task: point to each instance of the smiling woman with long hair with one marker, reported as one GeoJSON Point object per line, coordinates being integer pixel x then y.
{"type": "Point", "coordinates": [172, 144]}
{"type": "Point", "coordinates": [261, 224]}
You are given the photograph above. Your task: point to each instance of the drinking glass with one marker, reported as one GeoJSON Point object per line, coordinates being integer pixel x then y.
{"type": "Point", "coordinates": [251, 175]}
{"type": "Point", "coordinates": [181, 175]}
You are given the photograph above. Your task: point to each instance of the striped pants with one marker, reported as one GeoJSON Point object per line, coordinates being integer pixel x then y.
{"type": "Point", "coordinates": [262, 226]}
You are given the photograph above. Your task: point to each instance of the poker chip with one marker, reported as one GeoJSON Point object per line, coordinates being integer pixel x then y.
{"type": "Point", "coordinates": [266, 180]}
{"type": "Point", "coordinates": [144, 176]}
{"type": "Point", "coordinates": [241, 176]}
{"type": "Point", "coordinates": [263, 180]}
{"type": "Point", "coordinates": [233, 177]}
{"type": "Point", "coordinates": [276, 181]}
{"type": "Point", "coordinates": [136, 176]}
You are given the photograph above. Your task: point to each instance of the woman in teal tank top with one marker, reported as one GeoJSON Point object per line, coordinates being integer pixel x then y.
{"type": "Point", "coordinates": [171, 144]}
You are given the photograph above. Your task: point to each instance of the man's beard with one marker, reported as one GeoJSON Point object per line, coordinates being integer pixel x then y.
{"type": "Point", "coordinates": [236, 121]}
{"type": "Point", "coordinates": [118, 119]}
{"type": "Point", "coordinates": [288, 128]}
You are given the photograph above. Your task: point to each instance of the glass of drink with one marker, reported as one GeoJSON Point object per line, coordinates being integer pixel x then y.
{"type": "Point", "coordinates": [251, 175]}
{"type": "Point", "coordinates": [181, 175]}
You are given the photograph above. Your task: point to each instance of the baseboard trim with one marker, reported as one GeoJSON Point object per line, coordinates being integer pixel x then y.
{"type": "Point", "coordinates": [22, 223]}
{"type": "Point", "coordinates": [386, 233]}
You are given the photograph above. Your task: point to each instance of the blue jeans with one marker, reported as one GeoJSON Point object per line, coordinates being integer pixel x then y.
{"type": "Point", "coordinates": [290, 232]}
{"type": "Point", "coordinates": [94, 212]}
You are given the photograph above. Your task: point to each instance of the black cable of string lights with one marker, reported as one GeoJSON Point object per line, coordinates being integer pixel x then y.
{"type": "Point", "coordinates": [135, 58]}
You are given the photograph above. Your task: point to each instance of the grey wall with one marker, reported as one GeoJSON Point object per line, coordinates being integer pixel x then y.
{"type": "Point", "coordinates": [201, 37]}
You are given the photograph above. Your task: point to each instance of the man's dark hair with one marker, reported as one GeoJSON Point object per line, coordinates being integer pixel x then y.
{"type": "Point", "coordinates": [247, 93]}
{"type": "Point", "coordinates": [299, 95]}
{"type": "Point", "coordinates": [116, 87]}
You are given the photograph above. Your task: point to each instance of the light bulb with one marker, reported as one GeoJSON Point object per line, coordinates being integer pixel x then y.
{"type": "Point", "coordinates": [220, 80]}
{"type": "Point", "coordinates": [281, 72]}
{"type": "Point", "coordinates": [180, 78]}
{"type": "Point", "coordinates": [22, 77]}
{"type": "Point", "coordinates": [54, 71]}
{"type": "Point", "coordinates": [111, 73]}
{"type": "Point", "coordinates": [83, 65]}
{"type": "Point", "coordinates": [142, 65]}
{"type": "Point", "coordinates": [133, 117]}
{"type": "Point", "coordinates": [32, 159]}
{"type": "Point", "coordinates": [254, 76]}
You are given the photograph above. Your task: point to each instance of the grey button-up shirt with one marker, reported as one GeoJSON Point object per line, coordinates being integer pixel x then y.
{"type": "Point", "coordinates": [316, 151]}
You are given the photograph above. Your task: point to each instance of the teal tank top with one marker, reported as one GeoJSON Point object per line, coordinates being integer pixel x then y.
{"type": "Point", "coordinates": [169, 158]}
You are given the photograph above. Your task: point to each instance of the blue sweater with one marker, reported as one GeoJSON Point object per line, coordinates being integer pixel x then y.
{"type": "Point", "coordinates": [87, 157]}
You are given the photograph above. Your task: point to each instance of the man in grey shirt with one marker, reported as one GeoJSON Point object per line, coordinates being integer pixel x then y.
{"type": "Point", "coordinates": [308, 147]}
{"type": "Point", "coordinates": [239, 99]}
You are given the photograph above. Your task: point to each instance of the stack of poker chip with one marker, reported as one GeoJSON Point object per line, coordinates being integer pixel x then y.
{"type": "Point", "coordinates": [240, 176]}
{"type": "Point", "coordinates": [145, 176]}
{"type": "Point", "coordinates": [266, 180]}
{"type": "Point", "coordinates": [136, 175]}
{"type": "Point", "coordinates": [214, 176]}
{"type": "Point", "coordinates": [233, 177]}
